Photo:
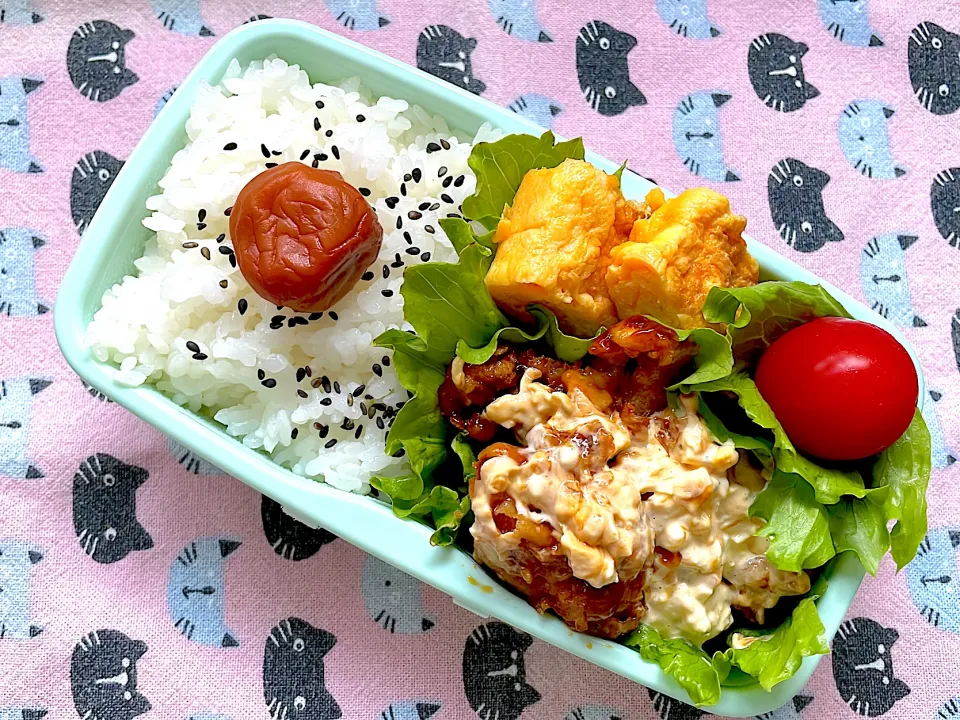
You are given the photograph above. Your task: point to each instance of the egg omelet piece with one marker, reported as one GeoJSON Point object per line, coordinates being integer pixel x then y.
{"type": "Point", "coordinates": [554, 242]}
{"type": "Point", "coordinates": [688, 245]}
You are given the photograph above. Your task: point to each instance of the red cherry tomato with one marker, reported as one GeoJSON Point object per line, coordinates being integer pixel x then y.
{"type": "Point", "coordinates": [842, 389]}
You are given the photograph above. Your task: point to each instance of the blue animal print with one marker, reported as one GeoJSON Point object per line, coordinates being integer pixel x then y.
{"type": "Point", "coordinates": [793, 710]}
{"type": "Point", "coordinates": [16, 560]}
{"type": "Point", "coordinates": [16, 400]}
{"type": "Point", "coordinates": [163, 100]}
{"type": "Point", "coordinates": [518, 18]}
{"type": "Point", "coordinates": [865, 140]}
{"type": "Point", "coordinates": [357, 14]}
{"type": "Point", "coordinates": [847, 21]}
{"type": "Point", "coordinates": [594, 712]}
{"type": "Point", "coordinates": [536, 108]}
{"type": "Point", "coordinates": [934, 579]}
{"type": "Point", "coordinates": [22, 713]}
{"type": "Point", "coordinates": [687, 18]}
{"type": "Point", "coordinates": [883, 277]}
{"type": "Point", "coordinates": [192, 462]}
{"type": "Point", "coordinates": [18, 12]}
{"type": "Point", "coordinates": [393, 599]}
{"type": "Point", "coordinates": [950, 709]}
{"type": "Point", "coordinates": [18, 289]}
{"type": "Point", "coordinates": [181, 16]}
{"type": "Point", "coordinates": [15, 126]}
{"type": "Point", "coordinates": [942, 454]}
{"type": "Point", "coordinates": [696, 135]}
{"type": "Point", "coordinates": [411, 710]}
{"type": "Point", "coordinates": [195, 591]}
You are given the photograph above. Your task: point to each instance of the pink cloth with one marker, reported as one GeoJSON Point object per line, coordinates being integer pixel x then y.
{"type": "Point", "coordinates": [900, 654]}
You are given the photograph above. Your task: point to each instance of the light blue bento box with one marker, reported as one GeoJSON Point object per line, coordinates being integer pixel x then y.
{"type": "Point", "coordinates": [115, 238]}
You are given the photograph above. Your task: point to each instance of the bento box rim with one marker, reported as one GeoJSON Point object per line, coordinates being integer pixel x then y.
{"type": "Point", "coordinates": [361, 521]}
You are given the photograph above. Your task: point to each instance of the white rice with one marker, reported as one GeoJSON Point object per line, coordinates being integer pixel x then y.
{"type": "Point", "coordinates": [146, 321]}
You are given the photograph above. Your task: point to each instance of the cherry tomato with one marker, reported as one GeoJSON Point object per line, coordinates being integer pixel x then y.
{"type": "Point", "coordinates": [842, 389]}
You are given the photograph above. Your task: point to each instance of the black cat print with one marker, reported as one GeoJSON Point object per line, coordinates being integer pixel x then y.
{"type": "Point", "coordinates": [103, 676]}
{"type": "Point", "coordinates": [293, 672]}
{"type": "Point", "coordinates": [290, 538]}
{"type": "Point", "coordinates": [775, 67]}
{"type": "Point", "coordinates": [945, 204]}
{"type": "Point", "coordinates": [863, 667]}
{"type": "Point", "coordinates": [794, 191]}
{"type": "Point", "coordinates": [445, 53]}
{"type": "Point", "coordinates": [933, 57]}
{"type": "Point", "coordinates": [494, 674]}
{"type": "Point", "coordinates": [92, 177]}
{"type": "Point", "coordinates": [97, 61]}
{"type": "Point", "coordinates": [603, 70]}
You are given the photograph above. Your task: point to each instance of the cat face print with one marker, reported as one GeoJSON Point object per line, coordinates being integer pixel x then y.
{"type": "Point", "coordinates": [792, 710]}
{"type": "Point", "coordinates": [945, 204]}
{"type": "Point", "coordinates": [950, 709]}
{"type": "Point", "coordinates": [190, 461]}
{"type": "Point", "coordinates": [603, 71]}
{"type": "Point", "coordinates": [393, 599]}
{"type": "Point", "coordinates": [933, 57]}
{"type": "Point", "coordinates": [411, 710]}
{"type": "Point", "coordinates": [862, 130]}
{"type": "Point", "coordinates": [775, 67]}
{"type": "Point", "coordinates": [883, 277]}
{"type": "Point", "coordinates": [536, 108]}
{"type": "Point", "coordinates": [848, 22]}
{"type": "Point", "coordinates": [290, 538]}
{"type": "Point", "coordinates": [594, 712]}
{"type": "Point", "coordinates": [293, 685]}
{"type": "Point", "coordinates": [934, 579]}
{"type": "Point", "coordinates": [445, 53]}
{"type": "Point", "coordinates": [18, 286]}
{"type": "Point", "coordinates": [15, 152]}
{"type": "Point", "coordinates": [687, 18]}
{"type": "Point", "coordinates": [794, 191]}
{"type": "Point", "coordinates": [357, 14]}
{"type": "Point", "coordinates": [97, 62]}
{"type": "Point", "coordinates": [105, 508]}
{"type": "Point", "coordinates": [16, 403]}
{"type": "Point", "coordinates": [518, 18]}
{"type": "Point", "coordinates": [941, 453]}
{"type": "Point", "coordinates": [181, 16]}
{"type": "Point", "coordinates": [103, 676]}
{"type": "Point", "coordinates": [17, 559]}
{"type": "Point", "coordinates": [494, 674]}
{"type": "Point", "coordinates": [92, 176]}
{"type": "Point", "coordinates": [18, 12]}
{"type": "Point", "coordinates": [669, 709]}
{"type": "Point", "coordinates": [196, 599]}
{"type": "Point", "coordinates": [863, 667]}
{"type": "Point", "coordinates": [696, 135]}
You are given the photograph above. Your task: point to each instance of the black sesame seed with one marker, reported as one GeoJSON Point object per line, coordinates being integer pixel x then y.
{"type": "Point", "coordinates": [333, 316]}
{"type": "Point", "coordinates": [225, 250]}
{"type": "Point", "coordinates": [294, 433]}
{"type": "Point", "coordinates": [432, 147]}
{"type": "Point", "coordinates": [358, 391]}
{"type": "Point", "coordinates": [261, 374]}
{"type": "Point", "coordinates": [278, 318]}
{"type": "Point", "coordinates": [425, 257]}
{"type": "Point", "coordinates": [276, 153]}
{"type": "Point", "coordinates": [315, 164]}
{"type": "Point", "coordinates": [336, 386]}
{"type": "Point", "coordinates": [400, 453]}
{"type": "Point", "coordinates": [435, 206]}
{"type": "Point", "coordinates": [330, 443]}
{"type": "Point", "coordinates": [360, 118]}
{"type": "Point", "coordinates": [192, 346]}
{"type": "Point", "coordinates": [368, 276]}
{"type": "Point", "coordinates": [399, 222]}
{"type": "Point", "coordinates": [380, 423]}
{"type": "Point", "coordinates": [359, 431]}
{"type": "Point", "coordinates": [386, 272]}
{"type": "Point", "coordinates": [397, 264]}
{"type": "Point", "coordinates": [412, 250]}
{"type": "Point", "coordinates": [269, 383]}
{"type": "Point", "coordinates": [442, 171]}
{"type": "Point", "coordinates": [363, 408]}
{"type": "Point", "coordinates": [316, 124]}
{"type": "Point", "coordinates": [230, 146]}
{"type": "Point", "coordinates": [336, 151]}
{"type": "Point", "coordinates": [414, 215]}
{"type": "Point", "coordinates": [233, 260]}
{"type": "Point", "coordinates": [446, 198]}
{"type": "Point", "coordinates": [315, 383]}
{"type": "Point", "coordinates": [242, 306]}
{"type": "Point", "coordinates": [315, 316]}
{"type": "Point", "coordinates": [349, 400]}
{"type": "Point", "coordinates": [408, 177]}
{"type": "Point", "coordinates": [189, 245]}
{"type": "Point", "coordinates": [304, 154]}
{"type": "Point", "coordinates": [299, 320]}
{"type": "Point", "coordinates": [301, 374]}
{"type": "Point", "coordinates": [387, 293]}
{"type": "Point", "coordinates": [291, 322]}
{"type": "Point", "coordinates": [276, 325]}
{"type": "Point", "coordinates": [308, 370]}
{"type": "Point", "coordinates": [223, 283]}
{"type": "Point", "coordinates": [347, 424]}
{"type": "Point", "coordinates": [364, 191]}
{"type": "Point", "coordinates": [386, 360]}
{"type": "Point", "coordinates": [270, 165]}
{"type": "Point", "coordinates": [379, 406]}
{"type": "Point", "coordinates": [302, 393]}
{"type": "Point", "coordinates": [429, 228]}
{"type": "Point", "coordinates": [205, 251]}
{"type": "Point", "coordinates": [447, 180]}
{"type": "Point", "coordinates": [202, 215]}
{"type": "Point", "coordinates": [423, 206]}
{"type": "Point", "coordinates": [459, 181]}
{"type": "Point", "coordinates": [326, 383]}
{"type": "Point", "coordinates": [403, 189]}
{"type": "Point", "coordinates": [417, 174]}
{"type": "Point", "coordinates": [319, 104]}
{"type": "Point", "coordinates": [201, 225]}
{"type": "Point", "coordinates": [444, 144]}
{"type": "Point", "coordinates": [221, 237]}
{"type": "Point", "coordinates": [324, 430]}
{"type": "Point", "coordinates": [199, 356]}
{"type": "Point", "coordinates": [329, 133]}
{"type": "Point", "coordinates": [228, 211]}
{"type": "Point", "coordinates": [453, 215]}
{"type": "Point", "coordinates": [406, 236]}
{"type": "Point", "coordinates": [326, 402]}
{"type": "Point", "coordinates": [392, 202]}
{"type": "Point", "coordinates": [263, 149]}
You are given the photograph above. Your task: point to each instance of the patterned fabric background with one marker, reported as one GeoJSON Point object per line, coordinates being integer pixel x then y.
{"type": "Point", "coordinates": [832, 125]}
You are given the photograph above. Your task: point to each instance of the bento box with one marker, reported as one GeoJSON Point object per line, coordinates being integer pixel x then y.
{"type": "Point", "coordinates": [115, 239]}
